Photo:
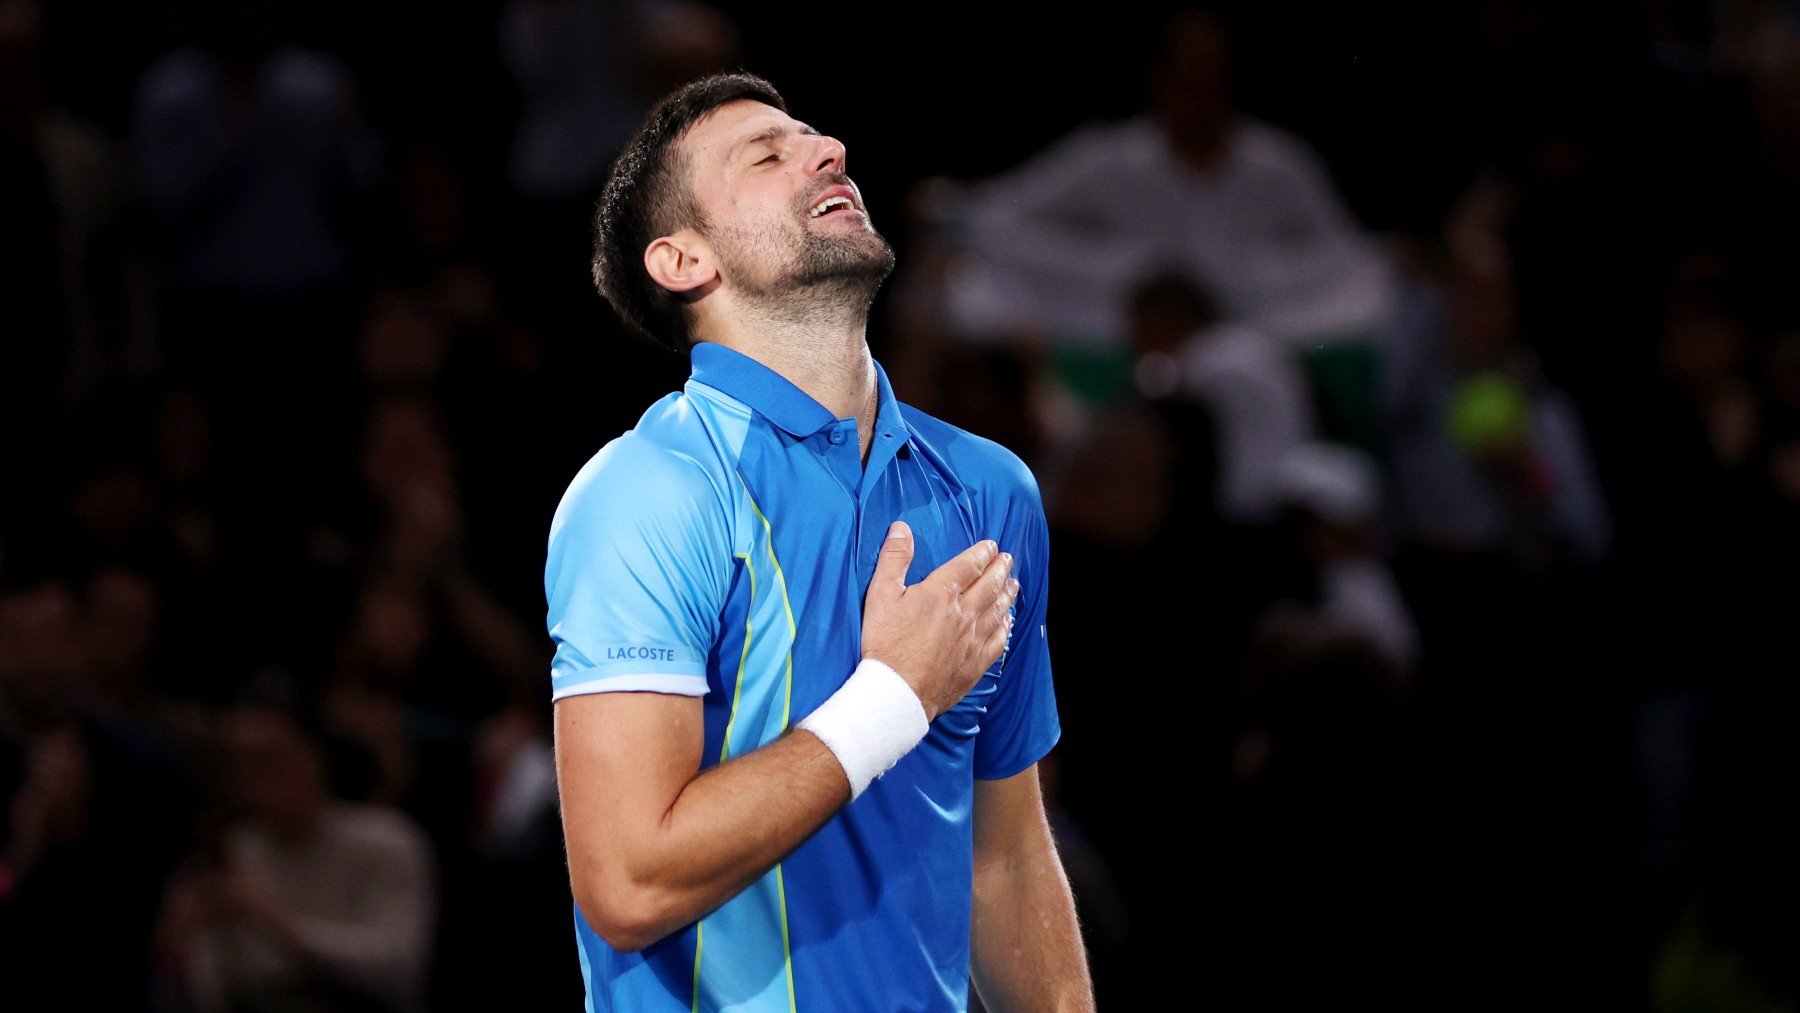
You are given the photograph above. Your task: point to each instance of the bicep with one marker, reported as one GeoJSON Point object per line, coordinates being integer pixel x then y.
{"type": "Point", "coordinates": [622, 759]}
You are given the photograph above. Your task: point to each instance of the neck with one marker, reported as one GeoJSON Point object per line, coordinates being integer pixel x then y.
{"type": "Point", "coordinates": [1200, 147]}
{"type": "Point", "coordinates": [825, 357]}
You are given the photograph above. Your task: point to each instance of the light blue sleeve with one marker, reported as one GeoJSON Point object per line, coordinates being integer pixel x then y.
{"type": "Point", "coordinates": [636, 572]}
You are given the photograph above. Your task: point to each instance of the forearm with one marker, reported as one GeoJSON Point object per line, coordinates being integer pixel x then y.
{"type": "Point", "coordinates": [735, 821]}
{"type": "Point", "coordinates": [726, 828]}
{"type": "Point", "coordinates": [655, 841]}
{"type": "Point", "coordinates": [1026, 949]}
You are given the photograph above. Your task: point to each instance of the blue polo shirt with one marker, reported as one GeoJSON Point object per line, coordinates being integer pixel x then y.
{"type": "Point", "coordinates": [722, 549]}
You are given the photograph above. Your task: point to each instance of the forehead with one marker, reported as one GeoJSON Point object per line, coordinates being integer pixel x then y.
{"type": "Point", "coordinates": [711, 140]}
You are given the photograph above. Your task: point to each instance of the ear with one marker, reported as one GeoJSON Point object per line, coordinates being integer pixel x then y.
{"type": "Point", "coordinates": [681, 262]}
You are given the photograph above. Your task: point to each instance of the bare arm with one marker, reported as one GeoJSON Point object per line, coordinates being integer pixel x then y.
{"type": "Point", "coordinates": [1026, 950]}
{"type": "Point", "coordinates": [652, 846]}
{"type": "Point", "coordinates": [654, 843]}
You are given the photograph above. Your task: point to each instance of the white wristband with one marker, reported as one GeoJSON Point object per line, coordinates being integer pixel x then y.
{"type": "Point", "coordinates": [873, 720]}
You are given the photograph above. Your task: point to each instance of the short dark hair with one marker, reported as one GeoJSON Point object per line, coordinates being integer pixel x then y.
{"type": "Point", "coordinates": [646, 196]}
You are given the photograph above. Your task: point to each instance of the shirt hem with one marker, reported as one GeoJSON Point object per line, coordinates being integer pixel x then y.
{"type": "Point", "coordinates": [658, 682]}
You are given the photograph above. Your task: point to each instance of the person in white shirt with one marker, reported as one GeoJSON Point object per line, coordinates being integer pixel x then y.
{"type": "Point", "coordinates": [1252, 388]}
{"type": "Point", "coordinates": [314, 903]}
{"type": "Point", "coordinates": [1242, 206]}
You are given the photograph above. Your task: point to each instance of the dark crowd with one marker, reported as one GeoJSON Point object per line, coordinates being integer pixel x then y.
{"type": "Point", "coordinates": [1414, 389]}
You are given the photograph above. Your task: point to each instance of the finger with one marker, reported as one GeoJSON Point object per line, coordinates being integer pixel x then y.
{"type": "Point", "coordinates": [1003, 602]}
{"type": "Point", "coordinates": [896, 556]}
{"type": "Point", "coordinates": [1001, 611]}
{"type": "Point", "coordinates": [979, 598]}
{"type": "Point", "coordinates": [995, 645]}
{"type": "Point", "coordinates": [963, 571]}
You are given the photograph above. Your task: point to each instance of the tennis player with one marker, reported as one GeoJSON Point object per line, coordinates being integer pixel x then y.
{"type": "Point", "coordinates": [801, 682]}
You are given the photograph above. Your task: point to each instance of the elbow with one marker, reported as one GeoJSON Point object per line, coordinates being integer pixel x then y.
{"type": "Point", "coordinates": [628, 916]}
{"type": "Point", "coordinates": [627, 935]}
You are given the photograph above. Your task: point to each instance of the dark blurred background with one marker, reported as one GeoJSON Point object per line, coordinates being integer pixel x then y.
{"type": "Point", "coordinates": [1414, 388]}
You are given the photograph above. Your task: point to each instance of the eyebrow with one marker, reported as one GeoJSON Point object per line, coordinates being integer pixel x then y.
{"type": "Point", "coordinates": [769, 134]}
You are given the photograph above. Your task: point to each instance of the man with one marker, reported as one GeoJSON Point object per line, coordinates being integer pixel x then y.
{"type": "Point", "coordinates": [1189, 184]}
{"type": "Point", "coordinates": [1253, 389]}
{"type": "Point", "coordinates": [316, 903]}
{"type": "Point", "coordinates": [780, 584]}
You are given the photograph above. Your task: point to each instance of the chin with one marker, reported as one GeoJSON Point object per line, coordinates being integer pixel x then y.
{"type": "Point", "coordinates": [845, 258]}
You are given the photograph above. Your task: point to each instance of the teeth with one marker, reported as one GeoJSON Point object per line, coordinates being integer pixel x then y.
{"type": "Point", "coordinates": [827, 204]}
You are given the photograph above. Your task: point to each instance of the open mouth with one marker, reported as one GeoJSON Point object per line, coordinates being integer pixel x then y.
{"type": "Point", "coordinates": [833, 206]}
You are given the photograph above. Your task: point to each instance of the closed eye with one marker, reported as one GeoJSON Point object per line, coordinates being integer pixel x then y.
{"type": "Point", "coordinates": [771, 158]}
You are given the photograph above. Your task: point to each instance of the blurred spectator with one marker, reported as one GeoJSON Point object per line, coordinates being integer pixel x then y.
{"type": "Point", "coordinates": [587, 70]}
{"type": "Point", "coordinates": [251, 157]}
{"type": "Point", "coordinates": [403, 347]}
{"type": "Point", "coordinates": [572, 61]}
{"type": "Point", "coordinates": [67, 281]}
{"type": "Point", "coordinates": [992, 390]}
{"type": "Point", "coordinates": [1764, 199]}
{"type": "Point", "coordinates": [516, 874]}
{"type": "Point", "coordinates": [123, 616]}
{"type": "Point", "coordinates": [1700, 526]}
{"type": "Point", "coordinates": [1336, 495]}
{"type": "Point", "coordinates": [255, 169]}
{"type": "Point", "coordinates": [1706, 353]}
{"type": "Point", "coordinates": [1136, 547]}
{"type": "Point", "coordinates": [1486, 454]}
{"type": "Point", "coordinates": [1252, 388]}
{"type": "Point", "coordinates": [1241, 206]}
{"type": "Point", "coordinates": [69, 277]}
{"type": "Point", "coordinates": [422, 662]}
{"type": "Point", "coordinates": [94, 812]}
{"type": "Point", "coordinates": [1320, 836]}
{"type": "Point", "coordinates": [312, 903]}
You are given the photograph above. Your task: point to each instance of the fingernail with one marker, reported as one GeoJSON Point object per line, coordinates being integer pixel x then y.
{"type": "Point", "coordinates": [897, 530]}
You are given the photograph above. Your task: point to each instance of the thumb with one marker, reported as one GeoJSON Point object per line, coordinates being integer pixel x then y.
{"type": "Point", "coordinates": [896, 556]}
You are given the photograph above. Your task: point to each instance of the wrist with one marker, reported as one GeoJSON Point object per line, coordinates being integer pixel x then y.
{"type": "Point", "coordinates": [872, 720]}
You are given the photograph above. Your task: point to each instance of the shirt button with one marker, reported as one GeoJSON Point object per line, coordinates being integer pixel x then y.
{"type": "Point", "coordinates": [837, 436]}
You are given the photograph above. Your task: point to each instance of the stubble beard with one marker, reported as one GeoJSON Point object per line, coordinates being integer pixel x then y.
{"type": "Point", "coordinates": [823, 277]}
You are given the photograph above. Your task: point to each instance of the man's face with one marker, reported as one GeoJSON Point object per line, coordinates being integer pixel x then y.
{"type": "Point", "coordinates": [758, 175]}
{"type": "Point", "coordinates": [279, 775]}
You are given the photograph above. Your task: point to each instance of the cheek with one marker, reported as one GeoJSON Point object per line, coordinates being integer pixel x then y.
{"type": "Point", "coordinates": [775, 196]}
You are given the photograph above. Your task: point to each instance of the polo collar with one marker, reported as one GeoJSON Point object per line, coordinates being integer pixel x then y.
{"type": "Point", "coordinates": [775, 397]}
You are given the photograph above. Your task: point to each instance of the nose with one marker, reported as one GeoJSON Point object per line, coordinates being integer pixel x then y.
{"type": "Point", "coordinates": [829, 156]}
